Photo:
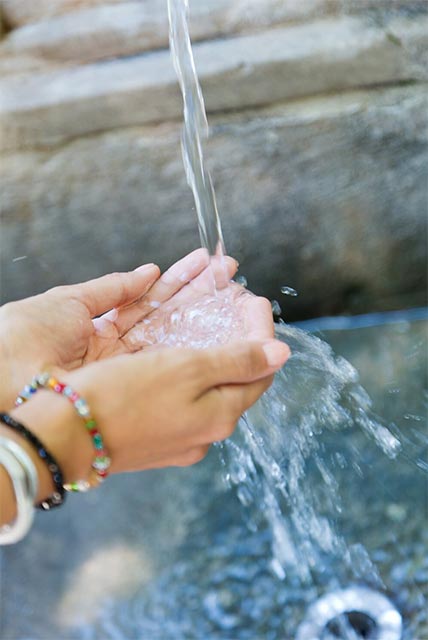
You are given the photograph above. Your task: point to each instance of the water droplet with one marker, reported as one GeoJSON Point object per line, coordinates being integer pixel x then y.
{"type": "Point", "coordinates": [289, 291]}
{"type": "Point", "coordinates": [242, 280]}
{"type": "Point", "coordinates": [276, 308]}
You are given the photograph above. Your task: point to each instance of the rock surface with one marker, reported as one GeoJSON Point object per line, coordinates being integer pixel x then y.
{"type": "Point", "coordinates": [22, 12]}
{"type": "Point", "coordinates": [326, 195]}
{"type": "Point", "coordinates": [319, 149]}
{"type": "Point", "coordinates": [66, 33]}
{"type": "Point", "coordinates": [236, 73]}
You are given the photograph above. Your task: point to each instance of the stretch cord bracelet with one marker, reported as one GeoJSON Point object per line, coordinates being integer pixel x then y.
{"type": "Point", "coordinates": [23, 475]}
{"type": "Point", "coordinates": [58, 496]}
{"type": "Point", "coordinates": [101, 462]}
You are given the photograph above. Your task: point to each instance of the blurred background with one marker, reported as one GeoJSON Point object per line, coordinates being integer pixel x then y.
{"type": "Point", "coordinates": [319, 120]}
{"type": "Point", "coordinates": [319, 154]}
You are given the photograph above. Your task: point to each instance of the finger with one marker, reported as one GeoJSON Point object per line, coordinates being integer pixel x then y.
{"type": "Point", "coordinates": [185, 281]}
{"type": "Point", "coordinates": [183, 459]}
{"type": "Point", "coordinates": [195, 270]}
{"type": "Point", "coordinates": [258, 317]}
{"type": "Point", "coordinates": [240, 363]}
{"type": "Point", "coordinates": [114, 290]}
{"type": "Point", "coordinates": [188, 458]}
{"type": "Point", "coordinates": [211, 278]}
{"type": "Point", "coordinates": [229, 402]}
{"type": "Point", "coordinates": [163, 289]}
{"type": "Point", "coordinates": [180, 274]}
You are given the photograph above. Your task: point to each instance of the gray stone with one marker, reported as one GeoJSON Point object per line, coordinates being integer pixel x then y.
{"type": "Point", "coordinates": [106, 31]}
{"type": "Point", "coordinates": [19, 12]}
{"type": "Point", "coordinates": [22, 12]}
{"type": "Point", "coordinates": [327, 195]}
{"type": "Point", "coordinates": [241, 12]}
{"type": "Point", "coordinates": [236, 73]}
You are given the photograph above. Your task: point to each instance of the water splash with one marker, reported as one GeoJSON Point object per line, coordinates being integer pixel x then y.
{"type": "Point", "coordinates": [211, 320]}
{"type": "Point", "coordinates": [289, 437]}
{"type": "Point", "coordinates": [286, 438]}
{"type": "Point", "coordinates": [289, 291]}
{"type": "Point", "coordinates": [316, 392]}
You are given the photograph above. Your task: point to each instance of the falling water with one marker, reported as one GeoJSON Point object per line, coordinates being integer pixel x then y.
{"type": "Point", "coordinates": [280, 444]}
{"type": "Point", "coordinates": [195, 129]}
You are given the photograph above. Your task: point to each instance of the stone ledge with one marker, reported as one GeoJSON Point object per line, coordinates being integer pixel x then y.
{"type": "Point", "coordinates": [237, 73]}
{"type": "Point", "coordinates": [22, 12]}
{"type": "Point", "coordinates": [129, 28]}
{"type": "Point", "coordinates": [312, 195]}
{"type": "Point", "coordinates": [95, 31]}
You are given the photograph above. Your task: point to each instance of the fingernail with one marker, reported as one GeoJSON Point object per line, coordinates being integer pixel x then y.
{"type": "Point", "coordinates": [276, 353]}
{"type": "Point", "coordinates": [145, 267]}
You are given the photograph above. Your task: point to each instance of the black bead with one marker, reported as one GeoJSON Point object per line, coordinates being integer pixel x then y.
{"type": "Point", "coordinates": [58, 496]}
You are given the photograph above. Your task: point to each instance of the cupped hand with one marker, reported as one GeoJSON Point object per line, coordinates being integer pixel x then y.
{"type": "Point", "coordinates": [165, 407]}
{"type": "Point", "coordinates": [58, 329]}
{"type": "Point", "coordinates": [209, 309]}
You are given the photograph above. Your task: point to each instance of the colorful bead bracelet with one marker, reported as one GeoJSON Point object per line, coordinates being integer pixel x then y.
{"type": "Point", "coordinates": [101, 462]}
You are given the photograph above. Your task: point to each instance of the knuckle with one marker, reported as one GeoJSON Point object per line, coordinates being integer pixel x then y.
{"type": "Point", "coordinates": [61, 290]}
{"type": "Point", "coordinates": [265, 302]}
{"type": "Point", "coordinates": [251, 362]}
{"type": "Point", "coordinates": [119, 280]}
{"type": "Point", "coordinates": [224, 431]}
{"type": "Point", "coordinates": [194, 456]}
{"type": "Point", "coordinates": [193, 367]}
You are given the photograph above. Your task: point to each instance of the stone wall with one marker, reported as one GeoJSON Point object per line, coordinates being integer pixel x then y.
{"type": "Point", "coordinates": [318, 151]}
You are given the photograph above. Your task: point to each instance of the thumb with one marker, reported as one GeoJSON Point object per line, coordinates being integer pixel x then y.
{"type": "Point", "coordinates": [116, 289]}
{"type": "Point", "coordinates": [242, 362]}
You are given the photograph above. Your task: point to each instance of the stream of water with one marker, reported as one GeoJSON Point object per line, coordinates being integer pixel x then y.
{"type": "Point", "coordinates": [298, 429]}
{"type": "Point", "coordinates": [195, 129]}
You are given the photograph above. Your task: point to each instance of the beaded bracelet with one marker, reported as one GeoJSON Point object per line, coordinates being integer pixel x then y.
{"type": "Point", "coordinates": [58, 497]}
{"type": "Point", "coordinates": [101, 462]}
{"type": "Point", "coordinates": [23, 476]}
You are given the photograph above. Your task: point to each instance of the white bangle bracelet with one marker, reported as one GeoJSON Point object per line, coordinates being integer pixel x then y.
{"type": "Point", "coordinates": [23, 475]}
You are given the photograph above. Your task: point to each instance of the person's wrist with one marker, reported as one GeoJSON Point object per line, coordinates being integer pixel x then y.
{"type": "Point", "coordinates": [86, 382]}
{"type": "Point", "coordinates": [55, 422]}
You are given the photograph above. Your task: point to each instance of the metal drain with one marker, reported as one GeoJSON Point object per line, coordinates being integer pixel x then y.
{"type": "Point", "coordinates": [357, 613]}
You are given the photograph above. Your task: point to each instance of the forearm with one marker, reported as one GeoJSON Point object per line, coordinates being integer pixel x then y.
{"type": "Point", "coordinates": [54, 421]}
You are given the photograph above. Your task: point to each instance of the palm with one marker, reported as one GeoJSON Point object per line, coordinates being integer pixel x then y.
{"type": "Point", "coordinates": [183, 284]}
{"type": "Point", "coordinates": [191, 312]}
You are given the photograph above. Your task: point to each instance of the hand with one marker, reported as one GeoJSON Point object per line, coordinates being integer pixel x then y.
{"type": "Point", "coordinates": [154, 409]}
{"type": "Point", "coordinates": [178, 311]}
{"type": "Point", "coordinates": [57, 329]}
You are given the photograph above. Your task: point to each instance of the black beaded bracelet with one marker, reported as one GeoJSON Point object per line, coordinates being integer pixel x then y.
{"type": "Point", "coordinates": [58, 497]}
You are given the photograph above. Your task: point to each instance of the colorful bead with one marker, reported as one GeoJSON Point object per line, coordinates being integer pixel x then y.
{"type": "Point", "coordinates": [80, 486]}
{"type": "Point", "coordinates": [98, 441]}
{"type": "Point", "coordinates": [41, 379]}
{"type": "Point", "coordinates": [101, 461]}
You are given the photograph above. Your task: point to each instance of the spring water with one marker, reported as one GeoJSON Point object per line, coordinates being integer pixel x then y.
{"type": "Point", "coordinates": [280, 443]}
